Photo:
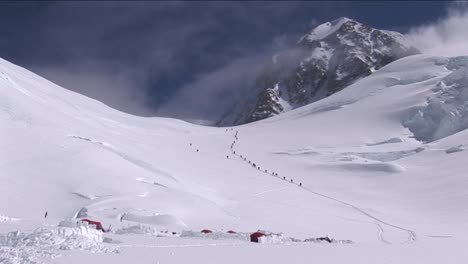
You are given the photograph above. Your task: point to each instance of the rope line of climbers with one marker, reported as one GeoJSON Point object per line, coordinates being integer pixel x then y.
{"type": "Point", "coordinates": [411, 233]}
{"type": "Point", "coordinates": [255, 165]}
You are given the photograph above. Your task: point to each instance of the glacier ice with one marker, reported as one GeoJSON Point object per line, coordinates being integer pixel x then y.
{"type": "Point", "coordinates": [446, 112]}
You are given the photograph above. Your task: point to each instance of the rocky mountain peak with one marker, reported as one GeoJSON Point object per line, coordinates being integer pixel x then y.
{"type": "Point", "coordinates": [324, 61]}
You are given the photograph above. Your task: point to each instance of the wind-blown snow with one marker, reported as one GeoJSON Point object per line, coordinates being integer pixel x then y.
{"type": "Point", "coordinates": [325, 29]}
{"type": "Point", "coordinates": [354, 166]}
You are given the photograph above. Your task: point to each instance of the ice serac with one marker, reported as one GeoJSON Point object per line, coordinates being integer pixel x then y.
{"type": "Point", "coordinates": [323, 62]}
{"type": "Point", "coordinates": [446, 111]}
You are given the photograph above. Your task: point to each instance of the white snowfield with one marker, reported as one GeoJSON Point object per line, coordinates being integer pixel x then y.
{"type": "Point", "coordinates": [381, 165]}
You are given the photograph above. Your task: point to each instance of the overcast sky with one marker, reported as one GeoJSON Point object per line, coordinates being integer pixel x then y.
{"type": "Point", "coordinates": [178, 59]}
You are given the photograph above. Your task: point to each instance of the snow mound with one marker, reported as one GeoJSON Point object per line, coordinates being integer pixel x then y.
{"type": "Point", "coordinates": [302, 151]}
{"type": "Point", "coordinates": [158, 220]}
{"type": "Point", "coordinates": [371, 167]}
{"type": "Point", "coordinates": [455, 149]}
{"type": "Point", "coordinates": [216, 235]}
{"type": "Point", "coordinates": [137, 230]}
{"type": "Point", "coordinates": [388, 141]}
{"type": "Point", "coordinates": [273, 239]}
{"type": "Point", "coordinates": [386, 156]}
{"type": "Point", "coordinates": [327, 240]}
{"type": "Point", "coordinates": [446, 112]}
{"type": "Point", "coordinates": [42, 244]}
{"type": "Point", "coordinates": [4, 218]}
{"type": "Point", "coordinates": [82, 213]}
{"type": "Point", "coordinates": [85, 196]}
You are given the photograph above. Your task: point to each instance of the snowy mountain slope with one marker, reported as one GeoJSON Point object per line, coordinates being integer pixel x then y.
{"type": "Point", "coordinates": [363, 175]}
{"type": "Point", "coordinates": [326, 60]}
{"type": "Point", "coordinates": [371, 111]}
{"type": "Point", "coordinates": [86, 155]}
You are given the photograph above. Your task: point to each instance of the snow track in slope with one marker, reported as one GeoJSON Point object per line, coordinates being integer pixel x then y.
{"type": "Point", "coordinates": [411, 233]}
{"type": "Point", "coordinates": [380, 235]}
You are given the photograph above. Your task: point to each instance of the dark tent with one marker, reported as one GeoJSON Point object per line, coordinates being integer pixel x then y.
{"type": "Point", "coordinates": [255, 237]}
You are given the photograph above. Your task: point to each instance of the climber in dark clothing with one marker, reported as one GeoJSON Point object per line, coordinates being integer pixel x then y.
{"type": "Point", "coordinates": [291, 180]}
{"type": "Point", "coordinates": [197, 150]}
{"type": "Point", "coordinates": [45, 215]}
{"type": "Point", "coordinates": [300, 184]}
{"type": "Point", "coordinates": [284, 178]}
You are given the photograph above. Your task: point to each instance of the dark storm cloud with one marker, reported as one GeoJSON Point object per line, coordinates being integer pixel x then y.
{"type": "Point", "coordinates": [211, 94]}
{"type": "Point", "coordinates": [135, 54]}
{"type": "Point", "coordinates": [184, 59]}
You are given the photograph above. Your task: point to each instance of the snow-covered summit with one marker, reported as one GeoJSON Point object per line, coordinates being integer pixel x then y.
{"type": "Point", "coordinates": [325, 29]}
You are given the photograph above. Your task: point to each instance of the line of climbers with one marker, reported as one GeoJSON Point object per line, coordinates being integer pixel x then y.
{"type": "Point", "coordinates": [236, 138]}
{"type": "Point", "coordinates": [192, 144]}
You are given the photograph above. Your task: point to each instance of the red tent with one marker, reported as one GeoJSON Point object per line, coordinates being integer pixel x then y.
{"type": "Point", "coordinates": [206, 231]}
{"type": "Point", "coordinates": [95, 223]}
{"type": "Point", "coordinates": [231, 232]}
{"type": "Point", "coordinates": [255, 236]}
